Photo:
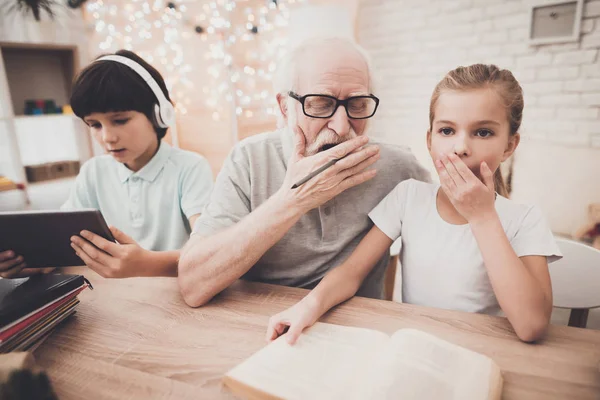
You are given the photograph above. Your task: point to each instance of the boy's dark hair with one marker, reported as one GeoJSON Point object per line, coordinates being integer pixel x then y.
{"type": "Point", "coordinates": [108, 86]}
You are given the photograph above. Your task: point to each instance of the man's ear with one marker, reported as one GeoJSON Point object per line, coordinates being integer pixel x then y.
{"type": "Point", "coordinates": [513, 143]}
{"type": "Point", "coordinates": [282, 102]}
{"type": "Point", "coordinates": [429, 141]}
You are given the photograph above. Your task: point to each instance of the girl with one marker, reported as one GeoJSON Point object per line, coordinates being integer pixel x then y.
{"type": "Point", "coordinates": [464, 247]}
{"type": "Point", "coordinates": [151, 191]}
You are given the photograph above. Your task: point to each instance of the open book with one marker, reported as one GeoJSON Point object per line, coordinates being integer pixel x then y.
{"type": "Point", "coordinates": [338, 362]}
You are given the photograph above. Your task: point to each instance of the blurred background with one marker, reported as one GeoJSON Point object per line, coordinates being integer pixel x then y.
{"type": "Point", "coordinates": [218, 57]}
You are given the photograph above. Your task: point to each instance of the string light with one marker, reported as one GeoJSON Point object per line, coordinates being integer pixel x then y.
{"type": "Point", "coordinates": [242, 45]}
{"type": "Point", "coordinates": [249, 46]}
{"type": "Point", "coordinates": [154, 31]}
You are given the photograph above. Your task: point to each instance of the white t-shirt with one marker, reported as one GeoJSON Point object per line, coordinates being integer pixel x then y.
{"type": "Point", "coordinates": [442, 265]}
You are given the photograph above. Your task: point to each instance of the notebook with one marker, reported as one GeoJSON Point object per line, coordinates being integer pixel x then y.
{"type": "Point", "coordinates": [20, 297]}
{"type": "Point", "coordinates": [18, 326]}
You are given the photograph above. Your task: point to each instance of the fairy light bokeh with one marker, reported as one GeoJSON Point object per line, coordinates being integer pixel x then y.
{"type": "Point", "coordinates": [216, 54]}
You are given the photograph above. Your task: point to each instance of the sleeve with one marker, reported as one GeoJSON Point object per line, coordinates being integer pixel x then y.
{"type": "Point", "coordinates": [389, 213]}
{"type": "Point", "coordinates": [230, 199]}
{"type": "Point", "coordinates": [81, 194]}
{"type": "Point", "coordinates": [195, 187]}
{"type": "Point", "coordinates": [534, 237]}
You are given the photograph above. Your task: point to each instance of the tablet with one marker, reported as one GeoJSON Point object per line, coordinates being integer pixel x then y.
{"type": "Point", "coordinates": [43, 238]}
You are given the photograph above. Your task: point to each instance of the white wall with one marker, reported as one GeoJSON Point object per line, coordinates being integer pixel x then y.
{"type": "Point", "coordinates": [414, 43]}
{"type": "Point", "coordinates": [334, 18]}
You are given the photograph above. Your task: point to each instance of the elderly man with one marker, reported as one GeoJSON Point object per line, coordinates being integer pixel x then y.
{"type": "Point", "coordinates": [256, 226]}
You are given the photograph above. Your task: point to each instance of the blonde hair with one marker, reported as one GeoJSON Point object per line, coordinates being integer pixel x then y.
{"type": "Point", "coordinates": [479, 76]}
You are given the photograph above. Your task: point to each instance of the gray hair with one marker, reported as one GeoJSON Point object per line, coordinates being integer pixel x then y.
{"type": "Point", "coordinates": [287, 73]}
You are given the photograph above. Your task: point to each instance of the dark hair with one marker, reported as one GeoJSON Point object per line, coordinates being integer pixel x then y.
{"type": "Point", "coordinates": [108, 86]}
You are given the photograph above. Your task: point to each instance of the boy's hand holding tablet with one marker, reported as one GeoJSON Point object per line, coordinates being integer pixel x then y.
{"type": "Point", "coordinates": [123, 259]}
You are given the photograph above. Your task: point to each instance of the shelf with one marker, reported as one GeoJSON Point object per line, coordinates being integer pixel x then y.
{"type": "Point", "coordinates": [38, 73]}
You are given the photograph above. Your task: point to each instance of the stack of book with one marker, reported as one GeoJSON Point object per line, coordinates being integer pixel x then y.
{"type": "Point", "coordinates": [30, 308]}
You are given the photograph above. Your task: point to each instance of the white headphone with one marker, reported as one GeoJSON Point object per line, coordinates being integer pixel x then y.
{"type": "Point", "coordinates": [164, 112]}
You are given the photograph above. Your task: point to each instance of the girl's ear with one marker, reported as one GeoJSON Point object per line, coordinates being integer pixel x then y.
{"type": "Point", "coordinates": [513, 143]}
{"type": "Point", "coordinates": [429, 140]}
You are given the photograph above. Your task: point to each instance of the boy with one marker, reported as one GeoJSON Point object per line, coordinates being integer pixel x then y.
{"type": "Point", "coordinates": [151, 191]}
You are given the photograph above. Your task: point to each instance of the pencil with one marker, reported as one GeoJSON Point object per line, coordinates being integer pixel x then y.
{"type": "Point", "coordinates": [315, 173]}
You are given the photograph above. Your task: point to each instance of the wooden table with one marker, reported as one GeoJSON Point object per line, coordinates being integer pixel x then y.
{"type": "Point", "coordinates": [135, 338]}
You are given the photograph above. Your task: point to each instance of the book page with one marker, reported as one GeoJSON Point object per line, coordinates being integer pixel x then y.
{"type": "Point", "coordinates": [324, 363]}
{"type": "Point", "coordinates": [417, 365]}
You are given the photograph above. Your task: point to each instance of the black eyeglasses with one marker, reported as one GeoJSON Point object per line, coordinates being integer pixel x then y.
{"type": "Point", "coordinates": [324, 106]}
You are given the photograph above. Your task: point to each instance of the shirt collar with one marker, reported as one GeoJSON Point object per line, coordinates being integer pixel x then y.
{"type": "Point", "coordinates": [150, 171]}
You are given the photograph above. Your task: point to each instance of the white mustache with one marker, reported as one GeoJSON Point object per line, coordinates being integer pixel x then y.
{"type": "Point", "coordinates": [327, 136]}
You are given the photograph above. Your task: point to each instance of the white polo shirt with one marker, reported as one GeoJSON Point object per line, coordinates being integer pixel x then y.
{"type": "Point", "coordinates": [152, 205]}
